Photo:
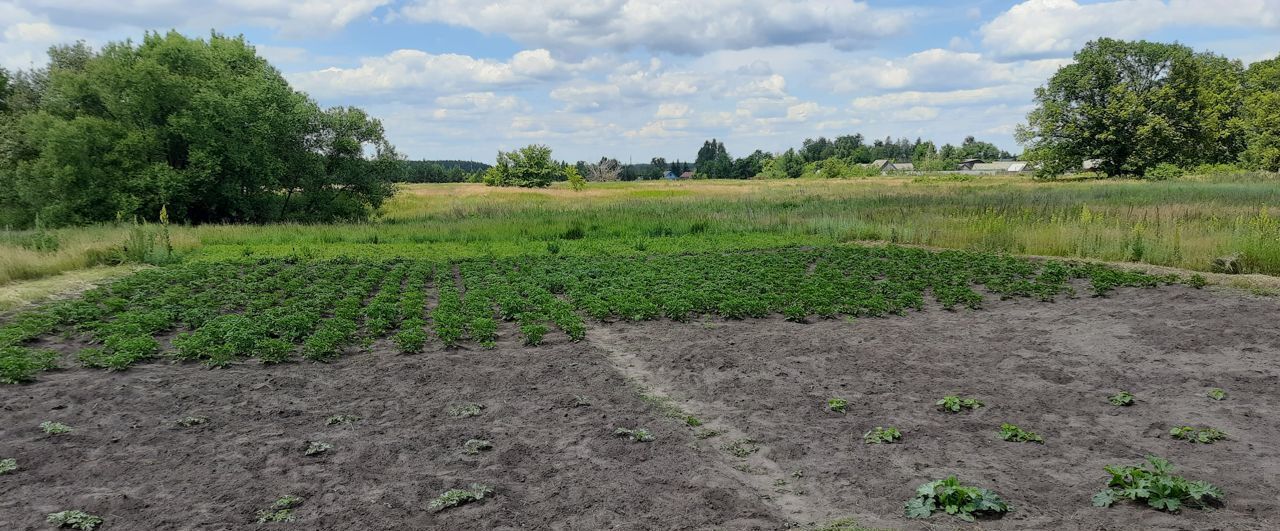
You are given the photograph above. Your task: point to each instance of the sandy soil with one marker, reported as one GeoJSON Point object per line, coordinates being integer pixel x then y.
{"type": "Point", "coordinates": [556, 464]}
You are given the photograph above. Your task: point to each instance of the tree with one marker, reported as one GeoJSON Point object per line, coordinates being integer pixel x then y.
{"type": "Point", "coordinates": [205, 129]}
{"type": "Point", "coordinates": [816, 150]}
{"type": "Point", "coordinates": [1133, 105]}
{"type": "Point", "coordinates": [530, 167]}
{"type": "Point", "coordinates": [604, 171]}
{"type": "Point", "coordinates": [713, 161]}
{"type": "Point", "coordinates": [788, 165]}
{"type": "Point", "coordinates": [658, 166]}
{"type": "Point", "coordinates": [576, 182]}
{"type": "Point", "coordinates": [1261, 111]}
{"type": "Point", "coordinates": [750, 165]}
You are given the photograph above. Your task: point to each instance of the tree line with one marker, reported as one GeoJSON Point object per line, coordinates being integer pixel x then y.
{"type": "Point", "coordinates": [204, 129]}
{"type": "Point", "coordinates": [1142, 108]}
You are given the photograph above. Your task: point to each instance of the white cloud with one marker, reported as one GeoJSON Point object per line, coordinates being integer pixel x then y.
{"type": "Point", "coordinates": [1054, 28]}
{"type": "Point", "coordinates": [672, 110]}
{"type": "Point", "coordinates": [676, 26]}
{"type": "Point", "coordinates": [288, 16]}
{"type": "Point", "coordinates": [416, 71]}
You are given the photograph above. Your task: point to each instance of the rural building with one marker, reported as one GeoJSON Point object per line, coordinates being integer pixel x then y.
{"type": "Point", "coordinates": [686, 175]}
{"type": "Point", "coordinates": [669, 175]}
{"type": "Point", "coordinates": [904, 166]}
{"type": "Point", "coordinates": [967, 164]}
{"type": "Point", "coordinates": [882, 165]}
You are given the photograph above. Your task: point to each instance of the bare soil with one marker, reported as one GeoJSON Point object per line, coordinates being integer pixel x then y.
{"type": "Point", "coordinates": [556, 464]}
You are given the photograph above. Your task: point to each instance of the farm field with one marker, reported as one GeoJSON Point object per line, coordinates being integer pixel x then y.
{"type": "Point", "coordinates": [738, 411]}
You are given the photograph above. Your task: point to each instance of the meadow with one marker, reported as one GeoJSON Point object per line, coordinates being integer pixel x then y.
{"type": "Point", "coordinates": [1185, 223]}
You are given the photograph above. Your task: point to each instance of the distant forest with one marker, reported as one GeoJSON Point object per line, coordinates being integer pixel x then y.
{"type": "Point", "coordinates": [442, 171]}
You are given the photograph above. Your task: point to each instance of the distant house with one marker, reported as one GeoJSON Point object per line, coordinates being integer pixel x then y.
{"type": "Point", "coordinates": [669, 175]}
{"type": "Point", "coordinates": [904, 166]}
{"type": "Point", "coordinates": [882, 165]}
{"type": "Point", "coordinates": [967, 164]}
{"type": "Point", "coordinates": [686, 175]}
{"type": "Point", "coordinates": [1019, 167]}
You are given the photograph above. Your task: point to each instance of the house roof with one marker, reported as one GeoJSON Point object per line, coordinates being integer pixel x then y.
{"type": "Point", "coordinates": [880, 163]}
{"type": "Point", "coordinates": [904, 166]}
{"type": "Point", "coordinates": [686, 175]}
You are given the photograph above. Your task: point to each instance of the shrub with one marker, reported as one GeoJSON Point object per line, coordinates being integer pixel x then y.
{"type": "Point", "coordinates": [1123, 398]}
{"type": "Point", "coordinates": [456, 497]}
{"type": "Point", "coordinates": [948, 495]}
{"type": "Point", "coordinates": [634, 435]}
{"type": "Point", "coordinates": [955, 404]}
{"type": "Point", "coordinates": [1197, 435]}
{"type": "Point", "coordinates": [74, 520]}
{"type": "Point", "coordinates": [1155, 484]}
{"type": "Point", "coordinates": [881, 435]}
{"type": "Point", "coordinates": [1012, 433]}
{"type": "Point", "coordinates": [1162, 172]}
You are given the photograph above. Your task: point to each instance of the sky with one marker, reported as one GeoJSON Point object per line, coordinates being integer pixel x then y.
{"type": "Point", "coordinates": [635, 79]}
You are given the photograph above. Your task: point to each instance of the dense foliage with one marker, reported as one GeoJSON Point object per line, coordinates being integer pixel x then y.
{"type": "Point", "coordinates": [206, 128]}
{"type": "Point", "coordinates": [1154, 483]}
{"type": "Point", "coordinates": [530, 167]}
{"type": "Point", "coordinates": [278, 310]}
{"type": "Point", "coordinates": [442, 171]}
{"type": "Point", "coordinates": [1135, 105]}
{"type": "Point", "coordinates": [950, 496]}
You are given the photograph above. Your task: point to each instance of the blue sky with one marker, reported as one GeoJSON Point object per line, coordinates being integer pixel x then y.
{"type": "Point", "coordinates": [635, 79]}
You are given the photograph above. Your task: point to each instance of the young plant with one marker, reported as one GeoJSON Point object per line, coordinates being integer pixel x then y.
{"type": "Point", "coordinates": [191, 422]}
{"type": "Point", "coordinates": [948, 495]}
{"type": "Point", "coordinates": [20, 364]}
{"type": "Point", "coordinates": [742, 448]}
{"type": "Point", "coordinates": [55, 428]}
{"type": "Point", "coordinates": [280, 511]}
{"type": "Point", "coordinates": [8, 465]}
{"type": "Point", "coordinates": [955, 404]}
{"type": "Point", "coordinates": [839, 405]}
{"type": "Point", "coordinates": [475, 446]}
{"type": "Point", "coordinates": [1123, 398]}
{"type": "Point", "coordinates": [466, 411]}
{"type": "Point", "coordinates": [456, 497]}
{"type": "Point", "coordinates": [635, 435]}
{"type": "Point", "coordinates": [1216, 394]}
{"type": "Point", "coordinates": [1197, 435]}
{"type": "Point", "coordinates": [1012, 433]}
{"type": "Point", "coordinates": [317, 448]}
{"type": "Point", "coordinates": [75, 520]}
{"type": "Point", "coordinates": [881, 435]}
{"type": "Point", "coordinates": [341, 419]}
{"type": "Point", "coordinates": [1154, 483]}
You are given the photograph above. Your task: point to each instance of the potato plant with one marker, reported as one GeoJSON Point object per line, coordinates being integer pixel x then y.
{"type": "Point", "coordinates": [1012, 433]}
{"type": "Point", "coordinates": [950, 496]}
{"type": "Point", "coordinates": [1123, 398]}
{"type": "Point", "coordinates": [79, 520]}
{"type": "Point", "coordinates": [955, 404]}
{"type": "Point", "coordinates": [1197, 435]}
{"type": "Point", "coordinates": [455, 497]}
{"type": "Point", "coordinates": [1153, 483]}
{"type": "Point", "coordinates": [879, 435]}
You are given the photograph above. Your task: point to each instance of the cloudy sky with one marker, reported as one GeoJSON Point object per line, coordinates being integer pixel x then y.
{"type": "Point", "coordinates": [634, 79]}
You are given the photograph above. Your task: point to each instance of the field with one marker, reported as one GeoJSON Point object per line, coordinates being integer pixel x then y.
{"type": "Point", "coordinates": [659, 355]}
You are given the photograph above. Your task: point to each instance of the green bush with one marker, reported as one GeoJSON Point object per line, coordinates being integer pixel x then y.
{"type": "Point", "coordinates": [1163, 172]}
{"type": "Point", "coordinates": [1155, 484]}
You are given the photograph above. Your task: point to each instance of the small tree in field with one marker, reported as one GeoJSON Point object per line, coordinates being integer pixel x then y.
{"type": "Point", "coordinates": [530, 166]}
{"type": "Point", "coordinates": [576, 182]}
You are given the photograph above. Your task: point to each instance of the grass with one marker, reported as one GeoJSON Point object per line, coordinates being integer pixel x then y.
{"type": "Point", "coordinates": [1181, 223]}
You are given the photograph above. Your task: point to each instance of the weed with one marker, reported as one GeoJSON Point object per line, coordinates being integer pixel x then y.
{"type": "Point", "coordinates": [1012, 433]}
{"type": "Point", "coordinates": [54, 428]}
{"type": "Point", "coordinates": [1197, 435]}
{"type": "Point", "coordinates": [581, 401]}
{"type": "Point", "coordinates": [1197, 281]}
{"type": "Point", "coordinates": [191, 421]}
{"type": "Point", "coordinates": [466, 411]}
{"type": "Point", "coordinates": [635, 435]}
{"type": "Point", "coordinates": [707, 433]}
{"type": "Point", "coordinates": [74, 520]}
{"type": "Point", "coordinates": [948, 495]}
{"type": "Point", "coordinates": [837, 404]}
{"type": "Point", "coordinates": [843, 524]}
{"type": "Point", "coordinates": [668, 407]}
{"type": "Point", "coordinates": [1154, 483]}
{"type": "Point", "coordinates": [1123, 398]}
{"type": "Point", "coordinates": [1216, 394]}
{"type": "Point", "coordinates": [456, 497]}
{"type": "Point", "coordinates": [281, 510]}
{"type": "Point", "coordinates": [317, 448]}
{"type": "Point", "coordinates": [335, 420]}
{"type": "Point", "coordinates": [742, 448]}
{"type": "Point", "coordinates": [881, 435]}
{"type": "Point", "coordinates": [955, 404]}
{"type": "Point", "coordinates": [475, 446]}
{"type": "Point", "coordinates": [8, 465]}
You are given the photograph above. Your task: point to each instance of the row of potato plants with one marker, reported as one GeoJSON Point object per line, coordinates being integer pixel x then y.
{"type": "Point", "coordinates": [276, 310]}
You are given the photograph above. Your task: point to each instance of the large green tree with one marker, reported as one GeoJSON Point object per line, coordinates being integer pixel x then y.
{"type": "Point", "coordinates": [530, 166]}
{"type": "Point", "coordinates": [1262, 115]}
{"type": "Point", "coordinates": [1134, 105]}
{"type": "Point", "coordinates": [713, 161]}
{"type": "Point", "coordinates": [206, 128]}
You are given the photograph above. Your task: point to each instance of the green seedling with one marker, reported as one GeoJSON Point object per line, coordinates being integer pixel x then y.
{"type": "Point", "coordinates": [1123, 398]}
{"type": "Point", "coordinates": [955, 404]}
{"type": "Point", "coordinates": [191, 422]}
{"type": "Point", "coordinates": [948, 495]}
{"type": "Point", "coordinates": [475, 446]}
{"type": "Point", "coordinates": [8, 465]}
{"type": "Point", "coordinates": [341, 419]}
{"type": "Point", "coordinates": [839, 405]}
{"type": "Point", "coordinates": [55, 428]}
{"type": "Point", "coordinates": [1197, 435]}
{"type": "Point", "coordinates": [881, 435]}
{"type": "Point", "coordinates": [281, 510]}
{"type": "Point", "coordinates": [466, 411]}
{"type": "Point", "coordinates": [456, 497]}
{"type": "Point", "coordinates": [1216, 394]}
{"type": "Point", "coordinates": [75, 520]}
{"type": "Point", "coordinates": [635, 435]}
{"type": "Point", "coordinates": [317, 448]}
{"type": "Point", "coordinates": [742, 448]}
{"type": "Point", "coordinates": [1012, 433]}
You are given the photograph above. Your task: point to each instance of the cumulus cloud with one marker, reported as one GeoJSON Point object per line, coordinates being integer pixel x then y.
{"type": "Point", "coordinates": [1053, 28]}
{"type": "Point", "coordinates": [675, 26]}
{"type": "Point", "coordinates": [416, 71]}
{"type": "Point", "coordinates": [289, 16]}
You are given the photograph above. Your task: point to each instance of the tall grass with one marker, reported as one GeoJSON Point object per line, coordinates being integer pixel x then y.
{"type": "Point", "coordinates": [1183, 223]}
